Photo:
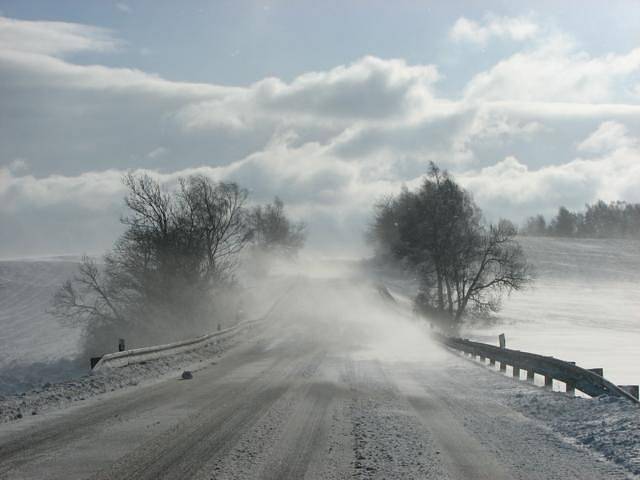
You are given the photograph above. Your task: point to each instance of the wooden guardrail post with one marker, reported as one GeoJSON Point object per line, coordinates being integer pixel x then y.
{"type": "Point", "coordinates": [570, 388]}
{"type": "Point", "coordinates": [492, 362]}
{"type": "Point", "coordinates": [503, 367]}
{"type": "Point", "coordinates": [516, 372]}
{"type": "Point", "coordinates": [632, 389]}
{"type": "Point", "coordinates": [93, 361]}
{"type": "Point", "coordinates": [121, 345]}
{"type": "Point", "coordinates": [548, 381]}
{"type": "Point", "coordinates": [531, 376]}
{"type": "Point", "coordinates": [503, 341]}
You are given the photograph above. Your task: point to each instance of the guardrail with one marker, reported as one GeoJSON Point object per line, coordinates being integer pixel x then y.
{"type": "Point", "coordinates": [137, 355]}
{"type": "Point", "coordinates": [574, 377]}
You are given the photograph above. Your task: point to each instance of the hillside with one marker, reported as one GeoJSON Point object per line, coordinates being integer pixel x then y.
{"type": "Point", "coordinates": [583, 307]}
{"type": "Point", "coordinates": [35, 347]}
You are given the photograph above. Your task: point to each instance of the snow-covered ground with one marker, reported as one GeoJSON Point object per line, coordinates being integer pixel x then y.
{"type": "Point", "coordinates": [583, 307]}
{"type": "Point", "coordinates": [336, 383]}
{"type": "Point", "coordinates": [34, 347]}
{"type": "Point", "coordinates": [29, 333]}
{"type": "Point", "coordinates": [608, 426]}
{"type": "Point", "coordinates": [54, 396]}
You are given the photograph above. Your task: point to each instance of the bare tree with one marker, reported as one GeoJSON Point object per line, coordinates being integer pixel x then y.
{"type": "Point", "coordinates": [177, 246]}
{"type": "Point", "coordinates": [88, 295]}
{"type": "Point", "coordinates": [493, 264]}
{"type": "Point", "coordinates": [217, 213]}
{"type": "Point", "coordinates": [438, 232]}
{"type": "Point", "coordinates": [272, 231]}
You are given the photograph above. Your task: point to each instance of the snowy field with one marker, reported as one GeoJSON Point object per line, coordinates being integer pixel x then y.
{"type": "Point", "coordinates": [584, 306]}
{"type": "Point", "coordinates": [34, 347]}
{"type": "Point", "coordinates": [336, 383]}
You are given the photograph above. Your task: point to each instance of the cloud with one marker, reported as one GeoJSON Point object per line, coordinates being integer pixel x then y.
{"type": "Point", "coordinates": [369, 89]}
{"type": "Point", "coordinates": [510, 188]}
{"type": "Point", "coordinates": [18, 165]}
{"type": "Point", "coordinates": [511, 28]}
{"type": "Point", "coordinates": [329, 142]}
{"type": "Point", "coordinates": [555, 71]}
{"type": "Point", "coordinates": [54, 38]}
{"type": "Point", "coordinates": [157, 152]}
{"type": "Point", "coordinates": [123, 7]}
{"type": "Point", "coordinates": [92, 190]}
{"type": "Point", "coordinates": [609, 136]}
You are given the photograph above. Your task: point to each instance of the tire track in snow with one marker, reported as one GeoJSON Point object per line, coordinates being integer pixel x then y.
{"type": "Point", "coordinates": [482, 439]}
{"type": "Point", "coordinates": [211, 433]}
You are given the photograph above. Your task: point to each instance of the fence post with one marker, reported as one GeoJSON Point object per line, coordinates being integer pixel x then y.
{"type": "Point", "coordinates": [548, 381]}
{"type": "Point", "coordinates": [121, 345]}
{"type": "Point", "coordinates": [516, 372]}
{"type": "Point", "coordinates": [502, 340]}
{"type": "Point", "coordinates": [570, 388]}
{"type": "Point", "coordinates": [492, 362]}
{"type": "Point", "coordinates": [93, 361]}
{"type": "Point", "coordinates": [503, 367]}
{"type": "Point", "coordinates": [531, 376]}
{"type": "Point", "coordinates": [632, 389]}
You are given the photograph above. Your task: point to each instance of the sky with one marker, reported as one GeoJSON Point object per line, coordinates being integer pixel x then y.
{"type": "Point", "coordinates": [330, 105]}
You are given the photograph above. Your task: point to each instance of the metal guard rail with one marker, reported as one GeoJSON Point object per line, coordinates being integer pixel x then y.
{"type": "Point", "coordinates": [137, 355]}
{"type": "Point", "coordinates": [584, 380]}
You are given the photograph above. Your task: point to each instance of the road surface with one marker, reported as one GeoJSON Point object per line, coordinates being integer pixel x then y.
{"type": "Point", "coordinates": [336, 385]}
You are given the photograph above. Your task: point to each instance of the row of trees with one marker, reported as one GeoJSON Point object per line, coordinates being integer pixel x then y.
{"type": "Point", "coordinates": [598, 220]}
{"type": "Point", "coordinates": [437, 233]}
{"type": "Point", "coordinates": [180, 249]}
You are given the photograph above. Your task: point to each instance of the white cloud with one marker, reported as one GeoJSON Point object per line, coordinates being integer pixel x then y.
{"type": "Point", "coordinates": [18, 165]}
{"type": "Point", "coordinates": [157, 152]}
{"type": "Point", "coordinates": [512, 189]}
{"type": "Point", "coordinates": [53, 38]}
{"type": "Point", "coordinates": [123, 7]}
{"type": "Point", "coordinates": [329, 142]}
{"type": "Point", "coordinates": [368, 89]}
{"type": "Point", "coordinates": [511, 28]}
{"type": "Point", "coordinates": [609, 136]}
{"type": "Point", "coordinates": [555, 71]}
{"type": "Point", "coordinates": [91, 190]}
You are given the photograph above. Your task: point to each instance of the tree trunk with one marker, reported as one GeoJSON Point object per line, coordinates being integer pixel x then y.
{"type": "Point", "coordinates": [440, 291]}
{"type": "Point", "coordinates": [449, 298]}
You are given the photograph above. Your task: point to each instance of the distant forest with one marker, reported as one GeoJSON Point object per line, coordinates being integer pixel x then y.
{"type": "Point", "coordinates": [598, 220]}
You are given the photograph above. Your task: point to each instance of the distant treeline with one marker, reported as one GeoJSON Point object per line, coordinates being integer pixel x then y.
{"type": "Point", "coordinates": [598, 220]}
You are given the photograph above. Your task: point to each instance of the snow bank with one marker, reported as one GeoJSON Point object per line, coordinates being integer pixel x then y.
{"type": "Point", "coordinates": [608, 425]}
{"type": "Point", "coordinates": [584, 306]}
{"type": "Point", "coordinates": [55, 396]}
{"type": "Point", "coordinates": [34, 347]}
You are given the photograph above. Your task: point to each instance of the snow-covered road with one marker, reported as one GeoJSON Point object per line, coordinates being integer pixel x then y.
{"type": "Point", "coordinates": [335, 386]}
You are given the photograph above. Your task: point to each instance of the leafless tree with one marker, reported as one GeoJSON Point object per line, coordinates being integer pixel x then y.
{"type": "Point", "coordinates": [462, 263]}
{"type": "Point", "coordinates": [273, 232]}
{"type": "Point", "coordinates": [177, 246]}
{"type": "Point", "coordinates": [88, 295]}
